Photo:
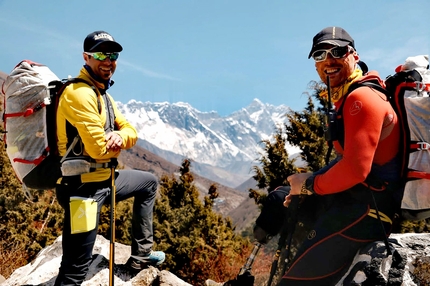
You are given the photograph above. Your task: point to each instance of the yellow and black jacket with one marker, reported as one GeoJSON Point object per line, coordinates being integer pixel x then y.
{"type": "Point", "coordinates": [83, 106]}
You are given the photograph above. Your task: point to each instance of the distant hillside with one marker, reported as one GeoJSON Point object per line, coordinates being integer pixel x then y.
{"type": "Point", "coordinates": [245, 214]}
{"type": "Point", "coordinates": [248, 184]}
{"type": "Point", "coordinates": [141, 159]}
{"type": "Point", "coordinates": [211, 172]}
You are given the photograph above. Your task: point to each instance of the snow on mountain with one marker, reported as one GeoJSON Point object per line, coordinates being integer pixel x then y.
{"type": "Point", "coordinates": [230, 143]}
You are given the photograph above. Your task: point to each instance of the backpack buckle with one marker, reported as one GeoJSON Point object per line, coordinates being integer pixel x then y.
{"type": "Point", "coordinates": [423, 146]}
{"type": "Point", "coordinates": [420, 86]}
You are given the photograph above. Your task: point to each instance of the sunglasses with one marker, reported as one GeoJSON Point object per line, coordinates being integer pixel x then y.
{"type": "Point", "coordinates": [101, 56]}
{"type": "Point", "coordinates": [336, 53]}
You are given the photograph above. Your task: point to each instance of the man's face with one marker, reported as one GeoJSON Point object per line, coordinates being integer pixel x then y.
{"type": "Point", "coordinates": [104, 69]}
{"type": "Point", "coordinates": [338, 70]}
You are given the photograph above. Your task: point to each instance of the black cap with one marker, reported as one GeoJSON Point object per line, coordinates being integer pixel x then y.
{"type": "Point", "coordinates": [95, 39]}
{"type": "Point", "coordinates": [335, 36]}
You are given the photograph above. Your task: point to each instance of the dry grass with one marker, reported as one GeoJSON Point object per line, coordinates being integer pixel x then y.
{"type": "Point", "coordinates": [11, 258]}
{"type": "Point", "coordinates": [224, 269]}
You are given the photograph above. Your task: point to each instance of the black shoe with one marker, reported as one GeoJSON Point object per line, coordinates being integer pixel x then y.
{"type": "Point", "coordinates": [136, 266]}
{"type": "Point", "coordinates": [154, 258]}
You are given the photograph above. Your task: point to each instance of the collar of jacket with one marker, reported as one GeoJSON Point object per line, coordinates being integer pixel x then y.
{"type": "Point", "coordinates": [338, 93]}
{"type": "Point", "coordinates": [101, 85]}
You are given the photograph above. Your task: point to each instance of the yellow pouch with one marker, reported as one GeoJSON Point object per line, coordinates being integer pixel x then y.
{"type": "Point", "coordinates": [83, 214]}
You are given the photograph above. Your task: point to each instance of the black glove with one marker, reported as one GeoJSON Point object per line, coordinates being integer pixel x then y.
{"type": "Point", "coordinates": [245, 279]}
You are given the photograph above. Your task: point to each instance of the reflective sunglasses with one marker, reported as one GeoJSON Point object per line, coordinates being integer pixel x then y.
{"type": "Point", "coordinates": [101, 56]}
{"type": "Point", "coordinates": [336, 53]}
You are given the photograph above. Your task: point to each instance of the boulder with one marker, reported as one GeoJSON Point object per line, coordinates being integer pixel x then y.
{"type": "Point", "coordinates": [44, 269]}
{"type": "Point", "coordinates": [408, 265]}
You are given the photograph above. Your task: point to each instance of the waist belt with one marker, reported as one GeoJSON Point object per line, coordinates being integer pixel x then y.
{"type": "Point", "coordinates": [99, 165]}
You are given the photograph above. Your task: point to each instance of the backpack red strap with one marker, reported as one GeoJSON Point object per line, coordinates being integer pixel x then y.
{"type": "Point", "coordinates": [27, 112]}
{"type": "Point", "coordinates": [36, 161]}
{"type": "Point", "coordinates": [418, 175]}
{"type": "Point", "coordinates": [419, 146]}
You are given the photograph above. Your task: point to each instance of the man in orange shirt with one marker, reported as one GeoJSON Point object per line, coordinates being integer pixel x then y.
{"type": "Point", "coordinates": [351, 189]}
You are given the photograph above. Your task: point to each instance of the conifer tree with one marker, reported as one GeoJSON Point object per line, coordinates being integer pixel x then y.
{"type": "Point", "coordinates": [29, 220]}
{"type": "Point", "coordinates": [275, 164]}
{"type": "Point", "coordinates": [306, 130]}
{"type": "Point", "coordinates": [196, 240]}
{"type": "Point", "coordinates": [275, 168]}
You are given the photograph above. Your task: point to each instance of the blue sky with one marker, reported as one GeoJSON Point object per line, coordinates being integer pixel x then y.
{"type": "Point", "coordinates": [215, 55]}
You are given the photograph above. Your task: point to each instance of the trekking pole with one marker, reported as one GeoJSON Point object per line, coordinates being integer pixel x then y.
{"type": "Point", "coordinates": [384, 233]}
{"type": "Point", "coordinates": [331, 118]}
{"type": "Point", "coordinates": [241, 279]}
{"type": "Point", "coordinates": [293, 210]}
{"type": "Point", "coordinates": [112, 225]}
{"type": "Point", "coordinates": [286, 232]}
{"type": "Point", "coordinates": [250, 260]}
{"type": "Point", "coordinates": [281, 245]}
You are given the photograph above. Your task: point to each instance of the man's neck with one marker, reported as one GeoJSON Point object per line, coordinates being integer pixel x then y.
{"type": "Point", "coordinates": [106, 83]}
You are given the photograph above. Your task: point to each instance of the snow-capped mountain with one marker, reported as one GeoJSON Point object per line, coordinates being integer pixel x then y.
{"type": "Point", "coordinates": [223, 146]}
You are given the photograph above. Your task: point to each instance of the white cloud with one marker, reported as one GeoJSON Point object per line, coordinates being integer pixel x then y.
{"type": "Point", "coordinates": [149, 73]}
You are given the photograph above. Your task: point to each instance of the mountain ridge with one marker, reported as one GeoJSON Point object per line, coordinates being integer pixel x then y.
{"type": "Point", "coordinates": [223, 149]}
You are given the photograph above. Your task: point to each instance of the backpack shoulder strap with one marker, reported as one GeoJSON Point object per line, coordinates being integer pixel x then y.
{"type": "Point", "coordinates": [336, 124]}
{"type": "Point", "coordinates": [57, 87]}
{"type": "Point", "coordinates": [369, 83]}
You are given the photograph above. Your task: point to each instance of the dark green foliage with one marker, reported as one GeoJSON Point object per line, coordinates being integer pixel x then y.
{"type": "Point", "coordinates": [27, 222]}
{"type": "Point", "coordinates": [407, 226]}
{"type": "Point", "coordinates": [193, 237]}
{"type": "Point", "coordinates": [123, 214]}
{"type": "Point", "coordinates": [275, 165]}
{"type": "Point", "coordinates": [306, 130]}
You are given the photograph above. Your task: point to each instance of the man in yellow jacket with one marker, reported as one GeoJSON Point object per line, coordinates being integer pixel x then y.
{"type": "Point", "coordinates": [87, 115]}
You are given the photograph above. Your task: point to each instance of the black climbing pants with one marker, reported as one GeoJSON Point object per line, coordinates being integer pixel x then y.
{"type": "Point", "coordinates": [344, 223]}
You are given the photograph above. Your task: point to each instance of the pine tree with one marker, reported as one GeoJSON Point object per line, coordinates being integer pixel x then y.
{"type": "Point", "coordinates": [29, 220]}
{"type": "Point", "coordinates": [197, 241]}
{"type": "Point", "coordinates": [275, 168]}
{"type": "Point", "coordinates": [275, 164]}
{"type": "Point", "coordinates": [306, 130]}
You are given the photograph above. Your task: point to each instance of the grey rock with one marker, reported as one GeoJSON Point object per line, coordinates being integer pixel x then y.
{"type": "Point", "coordinates": [44, 269]}
{"type": "Point", "coordinates": [408, 265]}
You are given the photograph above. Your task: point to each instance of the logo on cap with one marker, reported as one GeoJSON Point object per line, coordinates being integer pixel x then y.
{"type": "Point", "coordinates": [103, 36]}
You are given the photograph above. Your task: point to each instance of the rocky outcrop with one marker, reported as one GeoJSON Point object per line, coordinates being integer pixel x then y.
{"type": "Point", "coordinates": [408, 265]}
{"type": "Point", "coordinates": [44, 269]}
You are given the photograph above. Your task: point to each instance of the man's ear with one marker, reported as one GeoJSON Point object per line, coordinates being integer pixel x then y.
{"type": "Point", "coordinates": [356, 56]}
{"type": "Point", "coordinates": [86, 57]}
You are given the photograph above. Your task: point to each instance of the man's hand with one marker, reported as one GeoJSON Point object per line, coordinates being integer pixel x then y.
{"type": "Point", "coordinates": [114, 141]}
{"type": "Point", "coordinates": [296, 181]}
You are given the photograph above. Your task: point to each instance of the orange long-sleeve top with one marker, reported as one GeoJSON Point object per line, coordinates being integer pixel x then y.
{"type": "Point", "coordinates": [371, 136]}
